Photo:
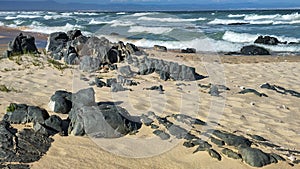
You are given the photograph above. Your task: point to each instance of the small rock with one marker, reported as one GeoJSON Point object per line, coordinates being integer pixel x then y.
{"type": "Point", "coordinates": [214, 154]}
{"type": "Point", "coordinates": [161, 134]}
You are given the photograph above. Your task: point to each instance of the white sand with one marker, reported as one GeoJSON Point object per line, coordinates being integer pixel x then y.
{"type": "Point", "coordinates": [265, 118]}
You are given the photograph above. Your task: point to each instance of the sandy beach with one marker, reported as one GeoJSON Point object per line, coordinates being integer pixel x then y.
{"type": "Point", "coordinates": [276, 117]}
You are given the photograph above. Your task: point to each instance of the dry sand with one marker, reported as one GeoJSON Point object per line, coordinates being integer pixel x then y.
{"type": "Point", "coordinates": [266, 118]}
{"type": "Point", "coordinates": [276, 118]}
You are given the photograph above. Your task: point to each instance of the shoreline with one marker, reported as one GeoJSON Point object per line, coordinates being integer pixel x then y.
{"type": "Point", "coordinates": [7, 34]}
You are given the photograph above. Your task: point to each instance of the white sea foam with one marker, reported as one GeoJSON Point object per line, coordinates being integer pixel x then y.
{"type": "Point", "coordinates": [87, 13]}
{"type": "Point", "coordinates": [258, 17]}
{"type": "Point", "coordinates": [1, 23]}
{"type": "Point", "coordinates": [236, 15]}
{"type": "Point", "coordinates": [22, 16]}
{"type": "Point", "coordinates": [116, 23]}
{"type": "Point", "coordinates": [145, 18]}
{"type": "Point", "coordinates": [143, 13]}
{"type": "Point", "coordinates": [18, 22]}
{"type": "Point", "coordinates": [248, 38]}
{"type": "Point", "coordinates": [153, 30]}
{"type": "Point", "coordinates": [96, 22]}
{"type": "Point", "coordinates": [227, 21]}
{"type": "Point", "coordinates": [121, 13]}
{"type": "Point", "coordinates": [48, 30]}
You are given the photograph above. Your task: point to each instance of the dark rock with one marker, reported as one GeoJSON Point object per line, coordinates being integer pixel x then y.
{"type": "Point", "coordinates": [174, 70]}
{"type": "Point", "coordinates": [217, 141]}
{"type": "Point", "coordinates": [84, 97]}
{"type": "Point", "coordinates": [146, 120]}
{"type": "Point", "coordinates": [72, 34]}
{"type": "Point", "coordinates": [89, 64]}
{"type": "Point", "coordinates": [36, 114]}
{"type": "Point", "coordinates": [154, 126]}
{"type": "Point", "coordinates": [111, 81]}
{"type": "Point", "coordinates": [24, 146]}
{"type": "Point", "coordinates": [214, 154]}
{"type": "Point", "coordinates": [277, 157]}
{"type": "Point", "coordinates": [125, 81]}
{"type": "Point", "coordinates": [125, 71]}
{"type": "Point", "coordinates": [202, 145]}
{"type": "Point", "coordinates": [188, 144]}
{"type": "Point", "coordinates": [257, 137]}
{"type": "Point", "coordinates": [106, 121]}
{"type": "Point", "coordinates": [177, 131]}
{"type": "Point", "coordinates": [244, 91]}
{"type": "Point", "coordinates": [231, 154]}
{"type": "Point", "coordinates": [214, 91]}
{"type": "Point", "coordinates": [158, 88]}
{"type": "Point", "coordinates": [113, 56]}
{"type": "Point", "coordinates": [96, 48]}
{"type": "Point", "coordinates": [255, 157]}
{"type": "Point", "coordinates": [188, 50]}
{"type": "Point", "coordinates": [188, 119]}
{"type": "Point", "coordinates": [21, 44]}
{"type": "Point", "coordinates": [267, 40]}
{"type": "Point", "coordinates": [231, 139]}
{"type": "Point", "coordinates": [99, 83]}
{"type": "Point", "coordinates": [112, 67]}
{"type": "Point", "coordinates": [161, 134]}
{"type": "Point", "coordinates": [56, 42]}
{"type": "Point", "coordinates": [71, 59]}
{"type": "Point", "coordinates": [55, 123]}
{"type": "Point", "coordinates": [254, 50]}
{"type": "Point", "coordinates": [61, 102]}
{"type": "Point", "coordinates": [117, 87]}
{"type": "Point", "coordinates": [160, 48]}
{"type": "Point", "coordinates": [21, 114]}
{"type": "Point", "coordinates": [280, 90]}
{"type": "Point", "coordinates": [132, 49]}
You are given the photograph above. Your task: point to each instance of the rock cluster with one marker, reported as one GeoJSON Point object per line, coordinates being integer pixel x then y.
{"type": "Point", "coordinates": [268, 40]}
{"type": "Point", "coordinates": [167, 70]}
{"type": "Point", "coordinates": [231, 145]}
{"type": "Point", "coordinates": [89, 52]}
{"type": "Point", "coordinates": [280, 89]}
{"type": "Point", "coordinates": [20, 45]}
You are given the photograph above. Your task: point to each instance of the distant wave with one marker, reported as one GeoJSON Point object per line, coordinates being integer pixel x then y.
{"type": "Point", "coordinates": [113, 23]}
{"type": "Point", "coordinates": [35, 27]}
{"type": "Point", "coordinates": [143, 13]}
{"type": "Point", "coordinates": [236, 15]}
{"type": "Point", "coordinates": [22, 16]}
{"type": "Point", "coordinates": [86, 13]}
{"type": "Point", "coordinates": [227, 22]}
{"type": "Point", "coordinates": [231, 36]}
{"type": "Point", "coordinates": [171, 19]}
{"type": "Point", "coordinates": [153, 30]}
{"type": "Point", "coordinates": [121, 13]}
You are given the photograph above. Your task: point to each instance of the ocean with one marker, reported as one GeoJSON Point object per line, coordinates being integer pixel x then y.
{"type": "Point", "coordinates": [207, 31]}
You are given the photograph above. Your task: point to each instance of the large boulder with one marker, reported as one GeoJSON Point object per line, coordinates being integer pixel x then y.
{"type": "Point", "coordinates": [89, 64]}
{"type": "Point", "coordinates": [267, 40]}
{"type": "Point", "coordinates": [256, 157]}
{"type": "Point", "coordinates": [105, 121]}
{"type": "Point", "coordinates": [84, 97]}
{"type": "Point", "coordinates": [21, 114]}
{"type": "Point", "coordinates": [56, 42]}
{"type": "Point", "coordinates": [21, 44]}
{"type": "Point", "coordinates": [125, 71]}
{"type": "Point", "coordinates": [61, 102]}
{"type": "Point", "coordinates": [254, 50]}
